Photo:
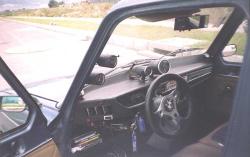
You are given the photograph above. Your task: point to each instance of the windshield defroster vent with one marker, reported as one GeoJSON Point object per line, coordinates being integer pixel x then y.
{"type": "Point", "coordinates": [198, 74]}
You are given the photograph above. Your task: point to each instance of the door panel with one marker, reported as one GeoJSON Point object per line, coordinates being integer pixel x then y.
{"type": "Point", "coordinates": [222, 90]}
{"type": "Point", "coordinates": [26, 142]}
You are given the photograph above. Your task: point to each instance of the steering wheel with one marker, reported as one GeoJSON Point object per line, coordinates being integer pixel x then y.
{"type": "Point", "coordinates": [169, 111]}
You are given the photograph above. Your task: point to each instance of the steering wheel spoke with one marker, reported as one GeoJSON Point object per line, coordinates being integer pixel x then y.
{"type": "Point", "coordinates": [170, 123]}
{"type": "Point", "coordinates": [175, 116]}
{"type": "Point", "coordinates": [158, 106]}
{"type": "Point", "coordinates": [176, 123]}
{"type": "Point", "coordinates": [175, 113]}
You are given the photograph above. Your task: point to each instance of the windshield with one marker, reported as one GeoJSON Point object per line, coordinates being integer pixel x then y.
{"type": "Point", "coordinates": [45, 45]}
{"type": "Point", "coordinates": [158, 38]}
{"type": "Point", "coordinates": [135, 38]}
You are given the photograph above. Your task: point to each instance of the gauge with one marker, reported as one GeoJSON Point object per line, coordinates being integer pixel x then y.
{"type": "Point", "coordinates": [160, 66]}
{"type": "Point", "coordinates": [161, 89]}
{"type": "Point", "coordinates": [140, 72]}
{"type": "Point", "coordinates": [166, 87]}
{"type": "Point", "coordinates": [171, 85]}
{"type": "Point", "coordinates": [147, 71]}
{"type": "Point", "coordinates": [163, 66]}
{"type": "Point", "coordinates": [109, 61]}
{"type": "Point", "coordinates": [96, 79]}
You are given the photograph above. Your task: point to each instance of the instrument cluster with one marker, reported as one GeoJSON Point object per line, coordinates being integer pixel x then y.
{"type": "Point", "coordinates": [166, 87]}
{"type": "Point", "coordinates": [142, 72]}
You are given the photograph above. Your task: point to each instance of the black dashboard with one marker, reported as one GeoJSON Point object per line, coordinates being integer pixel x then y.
{"type": "Point", "coordinates": [121, 97]}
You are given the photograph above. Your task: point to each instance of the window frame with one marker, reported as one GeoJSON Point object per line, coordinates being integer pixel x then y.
{"type": "Point", "coordinates": [35, 114]}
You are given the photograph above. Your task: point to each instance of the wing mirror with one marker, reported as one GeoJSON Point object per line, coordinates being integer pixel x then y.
{"type": "Point", "coordinates": [191, 22]}
{"type": "Point", "coordinates": [12, 104]}
{"type": "Point", "coordinates": [229, 50]}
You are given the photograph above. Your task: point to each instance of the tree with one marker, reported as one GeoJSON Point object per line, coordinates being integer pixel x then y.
{"type": "Point", "coordinates": [53, 4]}
{"type": "Point", "coordinates": [61, 3]}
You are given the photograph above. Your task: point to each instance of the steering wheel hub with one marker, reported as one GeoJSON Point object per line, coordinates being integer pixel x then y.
{"type": "Point", "coordinates": [168, 103]}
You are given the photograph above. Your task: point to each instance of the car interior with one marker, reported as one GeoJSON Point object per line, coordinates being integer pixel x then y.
{"type": "Point", "coordinates": [175, 107]}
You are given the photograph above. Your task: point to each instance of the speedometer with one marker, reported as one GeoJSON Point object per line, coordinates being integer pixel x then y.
{"type": "Point", "coordinates": [166, 87]}
{"type": "Point", "coordinates": [163, 66]}
{"type": "Point", "coordinates": [171, 85]}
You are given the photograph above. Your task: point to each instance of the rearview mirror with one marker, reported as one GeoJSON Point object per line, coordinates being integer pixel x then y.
{"type": "Point", "coordinates": [12, 104]}
{"type": "Point", "coordinates": [191, 22]}
{"type": "Point", "coordinates": [229, 50]}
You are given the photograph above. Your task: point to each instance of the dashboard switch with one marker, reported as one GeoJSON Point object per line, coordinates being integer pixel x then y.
{"type": "Point", "coordinates": [108, 117]}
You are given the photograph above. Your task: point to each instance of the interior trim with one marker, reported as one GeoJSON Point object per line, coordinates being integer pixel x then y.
{"type": "Point", "coordinates": [36, 148]}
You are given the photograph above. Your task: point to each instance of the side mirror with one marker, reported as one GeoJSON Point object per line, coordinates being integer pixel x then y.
{"type": "Point", "coordinates": [191, 22]}
{"type": "Point", "coordinates": [229, 50]}
{"type": "Point", "coordinates": [12, 104]}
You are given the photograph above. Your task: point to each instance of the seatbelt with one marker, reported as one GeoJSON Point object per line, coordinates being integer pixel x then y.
{"type": "Point", "coordinates": [238, 136]}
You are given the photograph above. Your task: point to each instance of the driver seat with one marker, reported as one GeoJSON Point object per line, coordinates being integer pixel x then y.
{"type": "Point", "coordinates": [209, 146]}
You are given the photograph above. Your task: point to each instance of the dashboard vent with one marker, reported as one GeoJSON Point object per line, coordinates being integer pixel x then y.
{"type": "Point", "coordinates": [199, 73]}
{"type": "Point", "coordinates": [91, 111]}
{"type": "Point", "coordinates": [98, 110]}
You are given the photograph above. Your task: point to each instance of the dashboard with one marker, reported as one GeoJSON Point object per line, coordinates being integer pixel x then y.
{"type": "Point", "coordinates": [120, 97]}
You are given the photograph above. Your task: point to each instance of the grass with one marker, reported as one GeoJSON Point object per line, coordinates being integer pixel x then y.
{"type": "Point", "coordinates": [239, 39]}
{"type": "Point", "coordinates": [13, 107]}
{"type": "Point", "coordinates": [143, 31]}
{"type": "Point", "coordinates": [75, 10]}
{"type": "Point", "coordinates": [157, 33]}
{"type": "Point", "coordinates": [76, 24]}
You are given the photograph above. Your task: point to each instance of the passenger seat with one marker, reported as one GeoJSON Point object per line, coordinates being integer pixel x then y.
{"type": "Point", "coordinates": [209, 146]}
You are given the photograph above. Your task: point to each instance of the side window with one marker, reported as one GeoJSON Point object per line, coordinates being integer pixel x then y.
{"type": "Point", "coordinates": [13, 111]}
{"type": "Point", "coordinates": [235, 50]}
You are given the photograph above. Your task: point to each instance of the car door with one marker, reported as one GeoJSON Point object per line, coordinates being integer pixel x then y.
{"type": "Point", "coordinates": [223, 84]}
{"type": "Point", "coordinates": [24, 130]}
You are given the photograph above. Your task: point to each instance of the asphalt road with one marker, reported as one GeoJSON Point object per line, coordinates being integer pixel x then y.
{"type": "Point", "coordinates": [38, 55]}
{"type": "Point", "coordinates": [6, 122]}
{"type": "Point", "coordinates": [11, 120]}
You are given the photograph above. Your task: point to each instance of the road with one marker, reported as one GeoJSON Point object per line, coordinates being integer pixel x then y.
{"type": "Point", "coordinates": [10, 120]}
{"type": "Point", "coordinates": [7, 123]}
{"type": "Point", "coordinates": [38, 55]}
{"type": "Point", "coordinates": [35, 54]}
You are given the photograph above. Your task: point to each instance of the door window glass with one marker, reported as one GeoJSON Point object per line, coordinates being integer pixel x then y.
{"type": "Point", "coordinates": [13, 111]}
{"type": "Point", "coordinates": [235, 50]}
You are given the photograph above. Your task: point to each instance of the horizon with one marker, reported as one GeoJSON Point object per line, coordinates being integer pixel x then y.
{"type": "Point", "coordinates": [28, 4]}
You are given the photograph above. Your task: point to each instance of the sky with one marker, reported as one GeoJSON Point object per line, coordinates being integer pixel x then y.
{"type": "Point", "coordinates": [19, 4]}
